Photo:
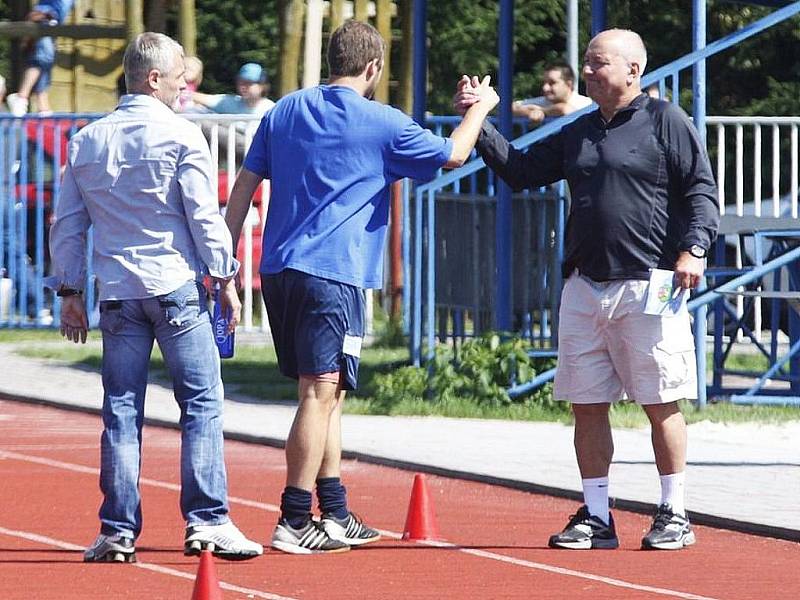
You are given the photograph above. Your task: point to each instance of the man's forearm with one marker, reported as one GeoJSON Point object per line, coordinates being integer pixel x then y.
{"type": "Point", "coordinates": [466, 134]}
{"type": "Point", "coordinates": [239, 202]}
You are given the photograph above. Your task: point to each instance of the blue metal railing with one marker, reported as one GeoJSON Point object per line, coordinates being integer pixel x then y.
{"type": "Point", "coordinates": [31, 161]}
{"type": "Point", "coordinates": [413, 290]}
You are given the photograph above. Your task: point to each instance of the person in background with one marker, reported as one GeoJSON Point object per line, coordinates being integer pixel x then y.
{"type": "Point", "coordinates": [141, 178]}
{"type": "Point", "coordinates": [252, 86]}
{"type": "Point", "coordinates": [39, 60]}
{"type": "Point", "coordinates": [194, 77]}
{"type": "Point", "coordinates": [559, 96]}
{"type": "Point", "coordinates": [643, 198]}
{"type": "Point", "coordinates": [331, 153]}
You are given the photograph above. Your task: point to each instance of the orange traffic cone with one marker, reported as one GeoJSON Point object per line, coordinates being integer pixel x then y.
{"type": "Point", "coordinates": [206, 585]}
{"type": "Point", "coordinates": [421, 519]}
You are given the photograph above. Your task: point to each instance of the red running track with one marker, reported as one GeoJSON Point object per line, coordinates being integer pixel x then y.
{"type": "Point", "coordinates": [497, 537]}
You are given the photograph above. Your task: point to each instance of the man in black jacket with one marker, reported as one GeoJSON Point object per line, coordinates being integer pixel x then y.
{"type": "Point", "coordinates": [643, 200]}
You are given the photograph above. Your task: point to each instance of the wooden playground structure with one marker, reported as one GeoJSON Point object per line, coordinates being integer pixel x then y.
{"type": "Point", "coordinates": [91, 41]}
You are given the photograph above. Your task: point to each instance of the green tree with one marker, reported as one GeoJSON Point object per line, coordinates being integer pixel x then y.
{"type": "Point", "coordinates": [230, 33]}
{"type": "Point", "coordinates": [463, 39]}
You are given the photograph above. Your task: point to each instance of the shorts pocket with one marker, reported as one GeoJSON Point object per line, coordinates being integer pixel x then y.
{"type": "Point", "coordinates": [675, 359]}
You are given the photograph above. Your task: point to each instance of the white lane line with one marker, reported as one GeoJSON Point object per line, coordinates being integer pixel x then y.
{"type": "Point", "coordinates": [48, 541]}
{"type": "Point", "coordinates": [549, 568]}
{"type": "Point", "coordinates": [391, 534]}
{"type": "Point", "coordinates": [49, 462]}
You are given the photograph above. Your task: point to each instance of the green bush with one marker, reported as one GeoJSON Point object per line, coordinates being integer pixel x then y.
{"type": "Point", "coordinates": [479, 371]}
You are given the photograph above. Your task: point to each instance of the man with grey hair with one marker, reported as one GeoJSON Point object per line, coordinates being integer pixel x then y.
{"type": "Point", "coordinates": [644, 203]}
{"type": "Point", "coordinates": [141, 177]}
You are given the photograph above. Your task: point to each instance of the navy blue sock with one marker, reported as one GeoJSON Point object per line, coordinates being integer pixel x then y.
{"type": "Point", "coordinates": [332, 496]}
{"type": "Point", "coordinates": [295, 506]}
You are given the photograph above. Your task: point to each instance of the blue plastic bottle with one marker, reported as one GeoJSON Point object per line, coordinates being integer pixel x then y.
{"type": "Point", "coordinates": [223, 339]}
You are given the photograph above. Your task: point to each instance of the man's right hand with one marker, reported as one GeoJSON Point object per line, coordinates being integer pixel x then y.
{"type": "Point", "coordinates": [470, 91]}
{"type": "Point", "coordinates": [74, 323]}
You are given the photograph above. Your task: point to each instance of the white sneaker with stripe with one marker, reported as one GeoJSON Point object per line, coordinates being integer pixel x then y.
{"type": "Point", "coordinates": [311, 538]}
{"type": "Point", "coordinates": [350, 530]}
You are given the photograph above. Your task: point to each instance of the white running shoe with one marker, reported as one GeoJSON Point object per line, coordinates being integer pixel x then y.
{"type": "Point", "coordinates": [17, 105]}
{"type": "Point", "coordinates": [350, 530]}
{"type": "Point", "coordinates": [224, 541]}
{"type": "Point", "coordinates": [311, 538]}
{"type": "Point", "coordinates": [111, 548]}
{"type": "Point", "coordinates": [670, 531]}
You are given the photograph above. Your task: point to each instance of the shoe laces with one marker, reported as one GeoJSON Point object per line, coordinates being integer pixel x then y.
{"type": "Point", "coordinates": [579, 517]}
{"type": "Point", "coordinates": [663, 517]}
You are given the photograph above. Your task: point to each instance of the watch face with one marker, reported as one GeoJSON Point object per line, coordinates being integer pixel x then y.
{"type": "Point", "coordinates": [697, 251]}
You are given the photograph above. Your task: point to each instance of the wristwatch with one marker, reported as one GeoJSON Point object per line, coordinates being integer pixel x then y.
{"type": "Point", "coordinates": [697, 251]}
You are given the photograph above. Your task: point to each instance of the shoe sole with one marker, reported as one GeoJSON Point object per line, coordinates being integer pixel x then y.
{"type": "Point", "coordinates": [290, 548]}
{"type": "Point", "coordinates": [113, 557]}
{"type": "Point", "coordinates": [586, 545]}
{"type": "Point", "coordinates": [356, 541]}
{"type": "Point", "coordinates": [195, 547]}
{"type": "Point", "coordinates": [686, 540]}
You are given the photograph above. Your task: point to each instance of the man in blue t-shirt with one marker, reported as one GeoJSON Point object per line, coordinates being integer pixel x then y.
{"type": "Point", "coordinates": [331, 153]}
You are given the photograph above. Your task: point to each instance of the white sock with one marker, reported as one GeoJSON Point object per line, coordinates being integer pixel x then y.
{"type": "Point", "coordinates": [595, 495]}
{"type": "Point", "coordinates": [672, 491]}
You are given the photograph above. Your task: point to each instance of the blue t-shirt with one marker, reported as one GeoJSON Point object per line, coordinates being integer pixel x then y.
{"type": "Point", "coordinates": [331, 155]}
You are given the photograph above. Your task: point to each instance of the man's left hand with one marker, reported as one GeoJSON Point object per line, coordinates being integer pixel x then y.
{"type": "Point", "coordinates": [689, 270]}
{"type": "Point", "coordinates": [229, 299]}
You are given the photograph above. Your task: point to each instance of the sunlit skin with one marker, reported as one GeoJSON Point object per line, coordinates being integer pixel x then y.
{"type": "Point", "coordinates": [555, 88]}
{"type": "Point", "coordinates": [250, 91]}
{"type": "Point", "coordinates": [167, 85]}
{"type": "Point", "coordinates": [612, 80]}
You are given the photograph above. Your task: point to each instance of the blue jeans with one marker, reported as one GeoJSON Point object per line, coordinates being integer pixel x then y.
{"type": "Point", "coordinates": [180, 323]}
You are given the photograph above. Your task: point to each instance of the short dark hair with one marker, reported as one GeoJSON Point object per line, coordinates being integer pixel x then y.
{"type": "Point", "coordinates": [567, 74]}
{"type": "Point", "coordinates": [351, 47]}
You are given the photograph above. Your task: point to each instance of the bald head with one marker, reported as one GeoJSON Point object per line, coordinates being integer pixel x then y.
{"type": "Point", "coordinates": [622, 42]}
{"type": "Point", "coordinates": [612, 68]}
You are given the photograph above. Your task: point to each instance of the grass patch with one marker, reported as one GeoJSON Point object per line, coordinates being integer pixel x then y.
{"type": "Point", "coordinates": [32, 335]}
{"type": "Point", "coordinates": [254, 372]}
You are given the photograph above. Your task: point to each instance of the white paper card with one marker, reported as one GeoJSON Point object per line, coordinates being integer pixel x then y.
{"type": "Point", "coordinates": [352, 345]}
{"type": "Point", "coordinates": [662, 297]}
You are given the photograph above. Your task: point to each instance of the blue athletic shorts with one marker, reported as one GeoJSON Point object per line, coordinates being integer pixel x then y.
{"type": "Point", "coordinates": [317, 324]}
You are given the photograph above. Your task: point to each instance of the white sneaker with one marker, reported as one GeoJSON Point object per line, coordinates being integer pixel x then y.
{"type": "Point", "coordinates": [17, 105]}
{"type": "Point", "coordinates": [311, 538]}
{"type": "Point", "coordinates": [351, 530]}
{"type": "Point", "coordinates": [111, 548]}
{"type": "Point", "coordinates": [224, 541]}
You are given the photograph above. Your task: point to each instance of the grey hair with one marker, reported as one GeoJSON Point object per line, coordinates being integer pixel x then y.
{"type": "Point", "coordinates": [149, 50]}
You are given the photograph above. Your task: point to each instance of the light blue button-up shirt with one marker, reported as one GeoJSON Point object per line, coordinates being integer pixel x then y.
{"type": "Point", "coordinates": [142, 176]}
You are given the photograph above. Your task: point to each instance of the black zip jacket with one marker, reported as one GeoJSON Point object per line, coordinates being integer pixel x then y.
{"type": "Point", "coordinates": [641, 186]}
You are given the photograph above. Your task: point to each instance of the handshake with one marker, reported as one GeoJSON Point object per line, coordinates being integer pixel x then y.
{"type": "Point", "coordinates": [471, 91]}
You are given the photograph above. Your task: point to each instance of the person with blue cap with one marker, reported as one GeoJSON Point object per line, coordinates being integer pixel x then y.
{"type": "Point", "coordinates": [252, 85]}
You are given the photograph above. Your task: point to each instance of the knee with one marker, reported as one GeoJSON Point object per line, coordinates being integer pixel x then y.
{"type": "Point", "coordinates": [661, 414]}
{"type": "Point", "coordinates": [322, 390]}
{"type": "Point", "coordinates": [590, 414]}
